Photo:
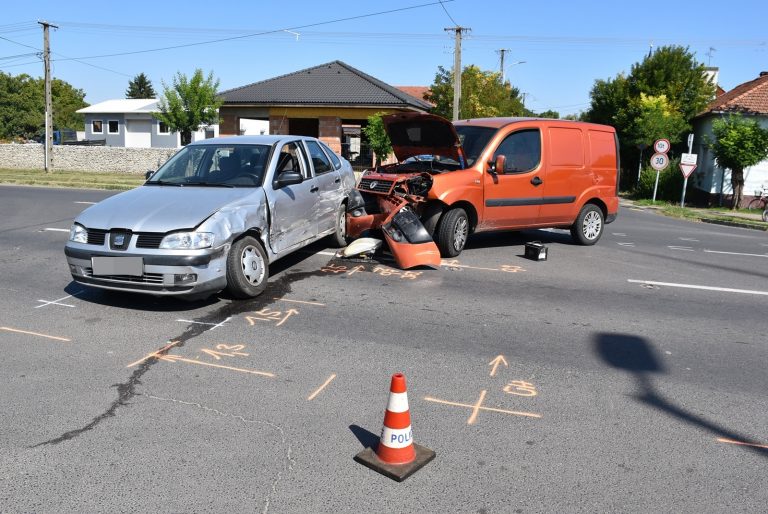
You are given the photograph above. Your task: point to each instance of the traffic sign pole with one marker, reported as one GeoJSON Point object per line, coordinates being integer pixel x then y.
{"type": "Point", "coordinates": [686, 167]}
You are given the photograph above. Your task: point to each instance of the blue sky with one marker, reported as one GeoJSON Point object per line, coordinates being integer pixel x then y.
{"type": "Point", "coordinates": [566, 45]}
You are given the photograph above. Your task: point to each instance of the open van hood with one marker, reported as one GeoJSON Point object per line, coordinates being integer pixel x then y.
{"type": "Point", "coordinates": [414, 133]}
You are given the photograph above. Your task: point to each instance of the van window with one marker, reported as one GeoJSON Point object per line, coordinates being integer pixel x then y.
{"type": "Point", "coordinates": [566, 147]}
{"type": "Point", "coordinates": [522, 150]}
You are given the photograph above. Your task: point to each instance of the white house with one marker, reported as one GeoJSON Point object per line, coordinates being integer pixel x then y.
{"type": "Point", "coordinates": [131, 123]}
{"type": "Point", "coordinates": [713, 184]}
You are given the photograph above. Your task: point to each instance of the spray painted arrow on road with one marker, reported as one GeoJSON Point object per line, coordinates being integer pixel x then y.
{"type": "Point", "coordinates": [496, 362]}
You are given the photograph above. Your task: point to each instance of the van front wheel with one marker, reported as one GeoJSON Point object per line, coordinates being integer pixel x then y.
{"type": "Point", "coordinates": [452, 232]}
{"type": "Point", "coordinates": [588, 227]}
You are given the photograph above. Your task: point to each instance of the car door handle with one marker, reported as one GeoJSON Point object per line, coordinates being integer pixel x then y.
{"type": "Point", "coordinates": [314, 189]}
{"type": "Point", "coordinates": [536, 181]}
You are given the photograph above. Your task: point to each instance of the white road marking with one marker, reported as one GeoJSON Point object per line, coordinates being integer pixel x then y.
{"type": "Point", "coordinates": [87, 203]}
{"type": "Point", "coordinates": [631, 245]}
{"type": "Point", "coordinates": [55, 230]}
{"type": "Point", "coordinates": [692, 286]}
{"type": "Point", "coordinates": [681, 248]}
{"type": "Point", "coordinates": [46, 303]}
{"type": "Point", "coordinates": [689, 239]}
{"type": "Point", "coordinates": [764, 255]}
{"type": "Point", "coordinates": [214, 325]}
{"type": "Point", "coordinates": [620, 234]}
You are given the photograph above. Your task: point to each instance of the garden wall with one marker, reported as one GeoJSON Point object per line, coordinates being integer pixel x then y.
{"type": "Point", "coordinates": [84, 158]}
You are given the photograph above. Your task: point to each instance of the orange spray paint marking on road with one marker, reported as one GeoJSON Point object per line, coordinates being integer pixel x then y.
{"type": "Point", "coordinates": [155, 354]}
{"type": "Point", "coordinates": [476, 408]}
{"type": "Point", "coordinates": [9, 329]}
{"type": "Point", "coordinates": [320, 389]}
{"type": "Point", "coordinates": [742, 443]}
{"type": "Point", "coordinates": [174, 358]}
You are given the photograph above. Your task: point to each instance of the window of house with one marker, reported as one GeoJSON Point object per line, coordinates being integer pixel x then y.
{"type": "Point", "coordinates": [319, 159]}
{"type": "Point", "coordinates": [114, 127]}
{"type": "Point", "coordinates": [97, 127]}
{"type": "Point", "coordinates": [162, 128]}
{"type": "Point", "coordinates": [522, 150]}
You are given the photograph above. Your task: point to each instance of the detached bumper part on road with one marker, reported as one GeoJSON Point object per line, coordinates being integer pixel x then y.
{"type": "Point", "coordinates": [189, 273]}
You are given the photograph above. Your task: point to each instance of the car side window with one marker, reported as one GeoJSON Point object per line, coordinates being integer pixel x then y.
{"type": "Point", "coordinates": [522, 150]}
{"type": "Point", "coordinates": [319, 159]}
{"type": "Point", "coordinates": [332, 155]}
{"type": "Point", "coordinates": [291, 159]}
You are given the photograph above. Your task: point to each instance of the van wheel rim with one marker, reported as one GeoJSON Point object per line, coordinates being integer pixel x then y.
{"type": "Point", "coordinates": [460, 233]}
{"type": "Point", "coordinates": [592, 225]}
{"type": "Point", "coordinates": [253, 265]}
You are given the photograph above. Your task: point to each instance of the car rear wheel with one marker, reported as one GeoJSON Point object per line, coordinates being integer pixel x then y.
{"type": "Point", "coordinates": [588, 227]}
{"type": "Point", "coordinates": [339, 237]}
{"type": "Point", "coordinates": [247, 268]}
{"type": "Point", "coordinates": [452, 232]}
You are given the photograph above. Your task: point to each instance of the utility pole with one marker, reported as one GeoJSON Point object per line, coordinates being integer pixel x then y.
{"type": "Point", "coordinates": [48, 99]}
{"type": "Point", "coordinates": [502, 51]}
{"type": "Point", "coordinates": [457, 68]}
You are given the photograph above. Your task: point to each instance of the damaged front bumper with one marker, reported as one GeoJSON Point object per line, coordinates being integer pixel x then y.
{"type": "Point", "coordinates": [408, 240]}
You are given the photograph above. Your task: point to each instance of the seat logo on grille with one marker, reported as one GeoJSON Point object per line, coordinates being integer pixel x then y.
{"type": "Point", "coordinates": [119, 240]}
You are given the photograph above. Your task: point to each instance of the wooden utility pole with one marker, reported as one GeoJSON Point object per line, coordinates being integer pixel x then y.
{"type": "Point", "coordinates": [48, 99]}
{"type": "Point", "coordinates": [457, 68]}
{"type": "Point", "coordinates": [502, 51]}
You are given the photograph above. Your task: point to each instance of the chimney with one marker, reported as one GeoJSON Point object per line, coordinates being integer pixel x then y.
{"type": "Point", "coordinates": [763, 73]}
{"type": "Point", "coordinates": [712, 74]}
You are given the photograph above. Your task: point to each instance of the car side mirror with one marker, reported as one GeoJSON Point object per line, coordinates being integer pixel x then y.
{"type": "Point", "coordinates": [149, 174]}
{"type": "Point", "coordinates": [498, 165]}
{"type": "Point", "coordinates": [289, 178]}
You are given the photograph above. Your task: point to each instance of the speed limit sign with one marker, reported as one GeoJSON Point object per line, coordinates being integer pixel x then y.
{"type": "Point", "coordinates": [659, 161]}
{"type": "Point", "coordinates": [661, 146]}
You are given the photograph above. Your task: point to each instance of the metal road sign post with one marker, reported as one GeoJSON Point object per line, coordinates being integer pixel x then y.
{"type": "Point", "coordinates": [659, 161]}
{"type": "Point", "coordinates": [687, 165]}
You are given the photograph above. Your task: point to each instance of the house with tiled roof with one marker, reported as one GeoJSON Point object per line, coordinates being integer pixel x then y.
{"type": "Point", "coordinates": [713, 184]}
{"type": "Point", "coordinates": [331, 101]}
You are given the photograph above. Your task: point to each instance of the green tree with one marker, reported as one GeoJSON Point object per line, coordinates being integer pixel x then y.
{"type": "Point", "coordinates": [140, 87]}
{"type": "Point", "coordinates": [22, 106]}
{"type": "Point", "coordinates": [189, 103]}
{"type": "Point", "coordinates": [377, 137]}
{"type": "Point", "coordinates": [482, 94]}
{"type": "Point", "coordinates": [739, 143]}
{"type": "Point", "coordinates": [655, 119]}
{"type": "Point", "coordinates": [548, 114]}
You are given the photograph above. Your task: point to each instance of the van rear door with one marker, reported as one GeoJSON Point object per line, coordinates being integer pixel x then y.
{"type": "Point", "coordinates": [568, 176]}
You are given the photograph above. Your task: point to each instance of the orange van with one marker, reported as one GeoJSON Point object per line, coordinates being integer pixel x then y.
{"type": "Point", "coordinates": [454, 179]}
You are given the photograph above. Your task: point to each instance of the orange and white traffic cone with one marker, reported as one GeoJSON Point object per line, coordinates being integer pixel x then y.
{"type": "Point", "coordinates": [397, 456]}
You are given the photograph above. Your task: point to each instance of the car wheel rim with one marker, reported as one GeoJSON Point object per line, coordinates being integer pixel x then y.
{"type": "Point", "coordinates": [342, 225]}
{"type": "Point", "coordinates": [460, 234]}
{"type": "Point", "coordinates": [592, 225]}
{"type": "Point", "coordinates": [253, 265]}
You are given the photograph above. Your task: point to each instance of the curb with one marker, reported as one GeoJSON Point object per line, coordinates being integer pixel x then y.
{"type": "Point", "coordinates": [733, 224]}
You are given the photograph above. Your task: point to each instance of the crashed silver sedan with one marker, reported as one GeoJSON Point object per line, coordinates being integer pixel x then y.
{"type": "Point", "coordinates": [213, 217]}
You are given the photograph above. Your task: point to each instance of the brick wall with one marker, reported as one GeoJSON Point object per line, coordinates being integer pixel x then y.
{"type": "Point", "coordinates": [85, 158]}
{"type": "Point", "coordinates": [278, 125]}
{"type": "Point", "coordinates": [228, 125]}
{"type": "Point", "coordinates": [330, 132]}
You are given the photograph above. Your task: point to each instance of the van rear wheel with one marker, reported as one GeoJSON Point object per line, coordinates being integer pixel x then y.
{"type": "Point", "coordinates": [452, 232]}
{"type": "Point", "coordinates": [589, 224]}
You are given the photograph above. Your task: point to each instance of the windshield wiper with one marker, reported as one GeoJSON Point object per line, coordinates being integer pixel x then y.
{"type": "Point", "coordinates": [207, 184]}
{"type": "Point", "coordinates": [162, 183]}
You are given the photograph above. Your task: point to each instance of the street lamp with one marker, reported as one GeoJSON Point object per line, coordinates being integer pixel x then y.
{"type": "Point", "coordinates": [507, 66]}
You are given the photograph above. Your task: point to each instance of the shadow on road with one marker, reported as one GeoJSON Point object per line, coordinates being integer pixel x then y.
{"type": "Point", "coordinates": [636, 356]}
{"type": "Point", "coordinates": [366, 438]}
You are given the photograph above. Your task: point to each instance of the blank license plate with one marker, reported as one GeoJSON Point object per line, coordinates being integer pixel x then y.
{"type": "Point", "coordinates": [132, 266]}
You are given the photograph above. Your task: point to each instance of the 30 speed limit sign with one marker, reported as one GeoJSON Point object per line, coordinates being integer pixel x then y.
{"type": "Point", "coordinates": [659, 161]}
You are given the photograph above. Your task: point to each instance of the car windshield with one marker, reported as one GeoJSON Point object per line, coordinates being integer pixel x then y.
{"type": "Point", "coordinates": [215, 166]}
{"type": "Point", "coordinates": [473, 140]}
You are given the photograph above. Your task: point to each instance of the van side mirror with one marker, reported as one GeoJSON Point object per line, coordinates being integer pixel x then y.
{"type": "Point", "coordinates": [289, 178]}
{"type": "Point", "coordinates": [499, 164]}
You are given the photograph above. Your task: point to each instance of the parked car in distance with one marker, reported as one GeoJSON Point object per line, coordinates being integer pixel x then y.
{"type": "Point", "coordinates": [453, 179]}
{"type": "Point", "coordinates": [214, 217]}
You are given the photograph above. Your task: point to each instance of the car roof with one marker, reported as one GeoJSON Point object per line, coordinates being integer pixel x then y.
{"type": "Point", "coordinates": [250, 140]}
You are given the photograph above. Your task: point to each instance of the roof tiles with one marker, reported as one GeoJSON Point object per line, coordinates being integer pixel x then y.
{"type": "Point", "coordinates": [749, 98]}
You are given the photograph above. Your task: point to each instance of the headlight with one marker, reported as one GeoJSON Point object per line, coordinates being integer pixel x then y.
{"type": "Point", "coordinates": [187, 241]}
{"type": "Point", "coordinates": [78, 234]}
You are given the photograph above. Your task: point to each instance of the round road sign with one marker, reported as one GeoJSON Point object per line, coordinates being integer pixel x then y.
{"type": "Point", "coordinates": [659, 161]}
{"type": "Point", "coordinates": [661, 146]}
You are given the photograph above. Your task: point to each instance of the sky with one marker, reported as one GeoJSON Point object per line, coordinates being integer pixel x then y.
{"type": "Point", "coordinates": [554, 50]}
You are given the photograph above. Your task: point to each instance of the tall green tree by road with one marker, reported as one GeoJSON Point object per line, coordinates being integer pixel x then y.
{"type": "Point", "coordinates": [189, 103]}
{"type": "Point", "coordinates": [377, 137]}
{"type": "Point", "coordinates": [655, 119]}
{"type": "Point", "coordinates": [739, 143]}
{"type": "Point", "coordinates": [22, 106]}
{"type": "Point", "coordinates": [140, 87]}
{"type": "Point", "coordinates": [482, 94]}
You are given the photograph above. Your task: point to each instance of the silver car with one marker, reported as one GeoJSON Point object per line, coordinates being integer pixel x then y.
{"type": "Point", "coordinates": [213, 217]}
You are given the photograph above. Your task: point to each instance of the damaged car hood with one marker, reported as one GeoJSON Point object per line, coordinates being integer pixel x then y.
{"type": "Point", "coordinates": [414, 133]}
{"type": "Point", "coordinates": [162, 208]}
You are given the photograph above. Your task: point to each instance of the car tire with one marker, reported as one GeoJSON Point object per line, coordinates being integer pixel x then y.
{"type": "Point", "coordinates": [247, 268]}
{"type": "Point", "coordinates": [452, 232]}
{"type": "Point", "coordinates": [339, 236]}
{"type": "Point", "coordinates": [589, 225]}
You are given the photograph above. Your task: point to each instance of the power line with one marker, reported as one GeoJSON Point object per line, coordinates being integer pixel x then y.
{"type": "Point", "coordinates": [449, 15]}
{"type": "Point", "coordinates": [273, 31]}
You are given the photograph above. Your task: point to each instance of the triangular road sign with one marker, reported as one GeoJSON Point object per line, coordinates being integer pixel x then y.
{"type": "Point", "coordinates": [687, 169]}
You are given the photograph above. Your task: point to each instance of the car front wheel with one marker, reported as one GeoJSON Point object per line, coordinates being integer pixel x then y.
{"type": "Point", "coordinates": [339, 236]}
{"type": "Point", "coordinates": [247, 268]}
{"type": "Point", "coordinates": [452, 232]}
{"type": "Point", "coordinates": [588, 227]}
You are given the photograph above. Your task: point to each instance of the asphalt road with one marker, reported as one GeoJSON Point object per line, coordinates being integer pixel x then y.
{"type": "Point", "coordinates": [634, 377]}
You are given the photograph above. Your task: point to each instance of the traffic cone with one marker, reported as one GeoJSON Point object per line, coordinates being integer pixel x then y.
{"type": "Point", "coordinates": [397, 456]}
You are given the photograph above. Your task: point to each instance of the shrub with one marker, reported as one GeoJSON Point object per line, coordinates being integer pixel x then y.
{"type": "Point", "coordinates": [670, 183]}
